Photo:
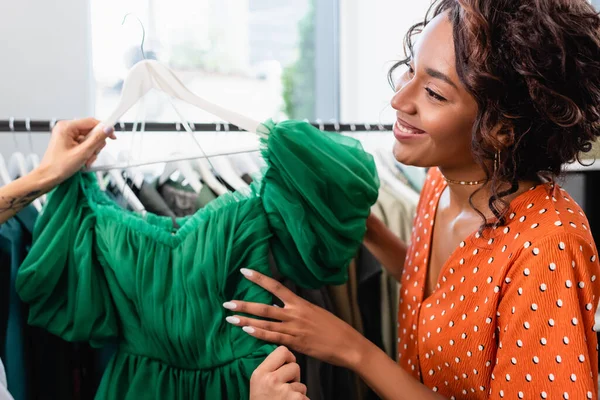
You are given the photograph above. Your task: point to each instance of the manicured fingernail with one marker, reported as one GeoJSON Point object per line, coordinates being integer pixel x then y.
{"type": "Point", "coordinates": [229, 305]}
{"type": "Point", "coordinates": [248, 329]}
{"type": "Point", "coordinates": [233, 320]}
{"type": "Point", "coordinates": [246, 272]}
{"type": "Point", "coordinates": [108, 130]}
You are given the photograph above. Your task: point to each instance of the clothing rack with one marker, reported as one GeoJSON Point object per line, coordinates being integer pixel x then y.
{"type": "Point", "coordinates": [36, 126]}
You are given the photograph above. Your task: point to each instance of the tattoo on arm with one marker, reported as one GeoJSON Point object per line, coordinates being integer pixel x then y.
{"type": "Point", "coordinates": [18, 203]}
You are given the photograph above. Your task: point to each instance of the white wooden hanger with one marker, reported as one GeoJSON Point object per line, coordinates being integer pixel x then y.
{"type": "Point", "coordinates": [150, 74]}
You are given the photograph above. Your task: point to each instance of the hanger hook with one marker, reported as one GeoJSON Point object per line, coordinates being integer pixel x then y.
{"type": "Point", "coordinates": [11, 125]}
{"type": "Point", "coordinates": [28, 127]}
{"type": "Point", "coordinates": [143, 31]}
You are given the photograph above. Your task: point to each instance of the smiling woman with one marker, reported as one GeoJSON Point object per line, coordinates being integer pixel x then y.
{"type": "Point", "coordinates": [499, 284]}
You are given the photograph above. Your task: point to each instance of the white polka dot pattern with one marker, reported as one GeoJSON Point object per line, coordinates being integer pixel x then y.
{"type": "Point", "coordinates": [512, 314]}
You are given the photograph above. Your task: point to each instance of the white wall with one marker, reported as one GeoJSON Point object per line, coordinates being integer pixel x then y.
{"type": "Point", "coordinates": [45, 68]}
{"type": "Point", "coordinates": [46, 65]}
{"type": "Point", "coordinates": [371, 39]}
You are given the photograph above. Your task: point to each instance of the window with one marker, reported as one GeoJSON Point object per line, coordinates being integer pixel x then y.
{"type": "Point", "coordinates": [254, 56]}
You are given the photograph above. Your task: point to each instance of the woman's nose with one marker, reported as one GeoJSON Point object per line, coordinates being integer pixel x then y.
{"type": "Point", "coordinates": [404, 100]}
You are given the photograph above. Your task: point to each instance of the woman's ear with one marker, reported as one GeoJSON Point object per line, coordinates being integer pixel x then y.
{"type": "Point", "coordinates": [505, 136]}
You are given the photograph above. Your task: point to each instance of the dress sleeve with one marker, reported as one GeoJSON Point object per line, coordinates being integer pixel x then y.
{"type": "Point", "coordinates": [547, 345]}
{"type": "Point", "coordinates": [317, 193]}
{"type": "Point", "coordinates": [61, 278]}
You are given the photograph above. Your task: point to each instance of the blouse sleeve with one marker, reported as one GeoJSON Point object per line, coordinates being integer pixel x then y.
{"type": "Point", "coordinates": [61, 278]}
{"type": "Point", "coordinates": [317, 193]}
{"type": "Point", "coordinates": [547, 345]}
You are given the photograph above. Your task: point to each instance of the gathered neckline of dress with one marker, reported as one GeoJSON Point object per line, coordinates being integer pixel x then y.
{"type": "Point", "coordinates": [160, 227]}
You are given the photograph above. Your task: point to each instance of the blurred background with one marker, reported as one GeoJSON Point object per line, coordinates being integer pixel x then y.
{"type": "Point", "coordinates": [313, 59]}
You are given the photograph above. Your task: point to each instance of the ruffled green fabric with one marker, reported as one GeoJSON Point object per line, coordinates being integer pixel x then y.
{"type": "Point", "coordinates": [96, 272]}
{"type": "Point", "coordinates": [317, 193]}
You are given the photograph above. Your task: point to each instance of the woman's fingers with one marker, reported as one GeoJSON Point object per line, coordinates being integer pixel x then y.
{"type": "Point", "coordinates": [270, 285]}
{"type": "Point", "coordinates": [91, 161]}
{"type": "Point", "coordinates": [288, 373]}
{"type": "Point", "coordinates": [299, 387]}
{"type": "Point", "coordinates": [257, 309]}
{"type": "Point", "coordinates": [271, 337]}
{"type": "Point", "coordinates": [280, 356]}
{"type": "Point", "coordinates": [240, 321]}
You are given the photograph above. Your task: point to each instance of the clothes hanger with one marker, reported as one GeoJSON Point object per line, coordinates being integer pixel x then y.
{"type": "Point", "coordinates": [182, 167]}
{"type": "Point", "coordinates": [150, 74]}
{"type": "Point", "coordinates": [136, 174]}
{"type": "Point", "coordinates": [203, 167]}
{"type": "Point", "coordinates": [244, 164]}
{"type": "Point", "coordinates": [185, 169]}
{"type": "Point", "coordinates": [225, 169]}
{"type": "Point", "coordinates": [4, 175]}
{"type": "Point", "coordinates": [121, 185]}
{"type": "Point", "coordinates": [32, 160]}
{"type": "Point", "coordinates": [17, 167]}
{"type": "Point", "coordinates": [228, 174]}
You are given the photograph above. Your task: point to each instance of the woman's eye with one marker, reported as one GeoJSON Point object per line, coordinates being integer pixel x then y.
{"type": "Point", "coordinates": [434, 95]}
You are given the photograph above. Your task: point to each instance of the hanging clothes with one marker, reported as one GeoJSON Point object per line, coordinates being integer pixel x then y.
{"type": "Point", "coordinates": [15, 239]}
{"type": "Point", "coordinates": [323, 381]}
{"type": "Point", "coordinates": [397, 212]}
{"type": "Point", "coordinates": [26, 349]}
{"type": "Point", "coordinates": [96, 272]}
{"type": "Point", "coordinates": [346, 307]}
{"type": "Point", "coordinates": [152, 200]}
{"type": "Point", "coordinates": [182, 199]}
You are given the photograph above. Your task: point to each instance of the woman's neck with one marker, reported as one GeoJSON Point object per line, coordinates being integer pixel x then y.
{"type": "Point", "coordinates": [462, 198]}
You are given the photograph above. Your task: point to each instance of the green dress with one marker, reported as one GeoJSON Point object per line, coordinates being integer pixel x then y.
{"type": "Point", "coordinates": [98, 273]}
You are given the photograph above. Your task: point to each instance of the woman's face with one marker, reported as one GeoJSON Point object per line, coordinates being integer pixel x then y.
{"type": "Point", "coordinates": [435, 112]}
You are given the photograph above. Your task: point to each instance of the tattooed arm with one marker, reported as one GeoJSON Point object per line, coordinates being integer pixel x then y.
{"type": "Point", "coordinates": [73, 144]}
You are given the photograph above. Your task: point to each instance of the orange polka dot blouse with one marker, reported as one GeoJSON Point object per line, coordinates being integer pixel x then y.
{"type": "Point", "coordinates": [512, 314]}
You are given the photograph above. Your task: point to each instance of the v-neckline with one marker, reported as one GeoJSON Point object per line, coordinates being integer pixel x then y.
{"type": "Point", "coordinates": [517, 200]}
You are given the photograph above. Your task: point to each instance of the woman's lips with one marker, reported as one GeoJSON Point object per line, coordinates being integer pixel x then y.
{"type": "Point", "coordinates": [402, 130]}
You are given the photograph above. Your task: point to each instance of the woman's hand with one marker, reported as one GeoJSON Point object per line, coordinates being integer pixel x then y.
{"type": "Point", "coordinates": [299, 325]}
{"type": "Point", "coordinates": [277, 378]}
{"type": "Point", "coordinates": [73, 144]}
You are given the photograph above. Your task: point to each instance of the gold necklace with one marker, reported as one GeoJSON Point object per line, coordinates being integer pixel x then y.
{"type": "Point", "coordinates": [465, 183]}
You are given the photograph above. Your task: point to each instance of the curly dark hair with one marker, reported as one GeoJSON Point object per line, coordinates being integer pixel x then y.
{"type": "Point", "coordinates": [533, 67]}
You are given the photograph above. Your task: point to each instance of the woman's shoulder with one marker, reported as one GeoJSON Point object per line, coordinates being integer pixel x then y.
{"type": "Point", "coordinates": [545, 211]}
{"type": "Point", "coordinates": [547, 229]}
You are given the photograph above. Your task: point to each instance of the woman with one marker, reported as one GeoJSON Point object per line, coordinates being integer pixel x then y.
{"type": "Point", "coordinates": [499, 284]}
{"type": "Point", "coordinates": [75, 144]}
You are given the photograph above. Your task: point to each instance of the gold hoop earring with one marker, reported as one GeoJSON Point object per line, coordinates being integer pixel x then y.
{"type": "Point", "coordinates": [497, 161]}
